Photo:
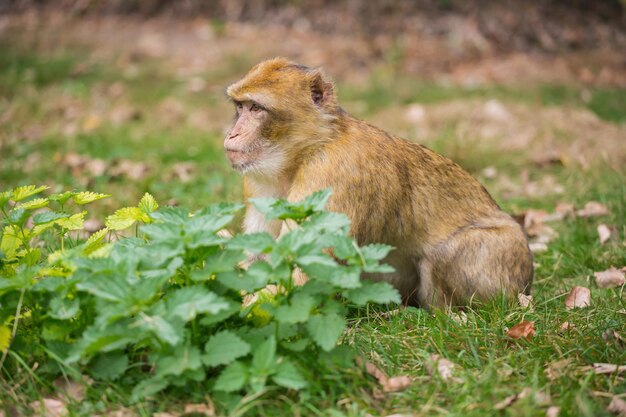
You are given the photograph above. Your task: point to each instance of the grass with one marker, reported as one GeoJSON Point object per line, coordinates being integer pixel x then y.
{"type": "Point", "coordinates": [54, 104]}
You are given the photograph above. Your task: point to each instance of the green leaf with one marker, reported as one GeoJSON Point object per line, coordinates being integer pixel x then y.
{"type": "Point", "coordinates": [373, 292]}
{"type": "Point", "coordinates": [252, 242]}
{"type": "Point", "coordinates": [232, 378]}
{"type": "Point", "coordinates": [288, 376]}
{"type": "Point", "coordinates": [222, 315]}
{"type": "Point", "coordinates": [223, 261]}
{"type": "Point", "coordinates": [5, 337]}
{"type": "Point", "coordinates": [33, 204]}
{"type": "Point", "coordinates": [317, 201]}
{"type": "Point", "coordinates": [85, 197]}
{"type": "Point", "coordinates": [297, 311]}
{"type": "Point", "coordinates": [5, 196]}
{"type": "Point", "coordinates": [186, 303]}
{"type": "Point", "coordinates": [125, 218]}
{"type": "Point", "coordinates": [162, 329]}
{"type": "Point", "coordinates": [264, 357]}
{"type": "Point", "coordinates": [174, 215]}
{"type": "Point", "coordinates": [74, 222]}
{"type": "Point", "coordinates": [11, 240]}
{"type": "Point", "coordinates": [109, 366]}
{"type": "Point", "coordinates": [95, 241]}
{"type": "Point", "coordinates": [61, 198]}
{"type": "Point", "coordinates": [375, 251]}
{"type": "Point", "coordinates": [48, 216]}
{"type": "Point", "coordinates": [184, 359]}
{"type": "Point", "coordinates": [63, 308]}
{"type": "Point", "coordinates": [326, 329]}
{"type": "Point", "coordinates": [328, 222]}
{"type": "Point", "coordinates": [20, 193]}
{"type": "Point", "coordinates": [147, 388]}
{"type": "Point", "coordinates": [223, 348]}
{"type": "Point", "coordinates": [148, 203]}
{"type": "Point", "coordinates": [18, 216]}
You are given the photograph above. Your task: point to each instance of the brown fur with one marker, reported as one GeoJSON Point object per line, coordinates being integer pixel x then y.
{"type": "Point", "coordinates": [453, 243]}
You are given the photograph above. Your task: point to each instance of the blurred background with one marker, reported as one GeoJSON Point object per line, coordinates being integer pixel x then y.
{"type": "Point", "coordinates": [127, 96]}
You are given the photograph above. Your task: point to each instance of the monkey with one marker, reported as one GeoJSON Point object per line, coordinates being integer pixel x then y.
{"type": "Point", "coordinates": [453, 244]}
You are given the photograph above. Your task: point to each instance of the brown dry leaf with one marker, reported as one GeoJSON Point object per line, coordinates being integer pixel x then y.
{"type": "Point", "coordinates": [605, 368]}
{"type": "Point", "coordinates": [553, 411]}
{"type": "Point", "coordinates": [604, 232]}
{"type": "Point", "coordinates": [71, 390]}
{"type": "Point", "coordinates": [460, 317]}
{"type": "Point", "coordinates": [537, 247]}
{"type": "Point", "coordinates": [611, 335]}
{"type": "Point", "coordinates": [393, 384]}
{"type": "Point", "coordinates": [511, 399]}
{"type": "Point", "coordinates": [120, 412]}
{"type": "Point", "coordinates": [91, 122]}
{"type": "Point", "coordinates": [183, 171]}
{"type": "Point", "coordinates": [617, 406]}
{"type": "Point", "coordinates": [206, 409]}
{"type": "Point", "coordinates": [524, 329]}
{"type": "Point", "coordinates": [49, 407]}
{"type": "Point", "coordinates": [558, 369]}
{"type": "Point", "coordinates": [566, 325]}
{"type": "Point", "coordinates": [578, 297]}
{"type": "Point", "coordinates": [565, 210]}
{"type": "Point", "coordinates": [441, 366]}
{"type": "Point", "coordinates": [525, 300]}
{"type": "Point", "coordinates": [396, 383]}
{"type": "Point", "coordinates": [132, 170]}
{"type": "Point", "coordinates": [593, 209]}
{"type": "Point", "coordinates": [166, 415]}
{"type": "Point", "coordinates": [610, 278]}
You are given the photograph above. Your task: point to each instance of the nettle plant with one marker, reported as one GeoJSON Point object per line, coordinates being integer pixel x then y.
{"type": "Point", "coordinates": [166, 306]}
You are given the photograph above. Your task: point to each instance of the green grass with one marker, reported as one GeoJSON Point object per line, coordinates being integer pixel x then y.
{"type": "Point", "coordinates": [490, 367]}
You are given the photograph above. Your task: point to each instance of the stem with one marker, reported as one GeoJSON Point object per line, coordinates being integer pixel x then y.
{"type": "Point", "coordinates": [14, 331]}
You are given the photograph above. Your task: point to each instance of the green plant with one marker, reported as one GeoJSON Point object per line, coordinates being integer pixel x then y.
{"type": "Point", "coordinates": [165, 307]}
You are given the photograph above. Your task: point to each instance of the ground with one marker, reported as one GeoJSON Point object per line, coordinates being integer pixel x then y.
{"type": "Point", "coordinates": [123, 107]}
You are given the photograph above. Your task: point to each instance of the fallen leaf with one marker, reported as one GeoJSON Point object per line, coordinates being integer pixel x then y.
{"type": "Point", "coordinates": [524, 329]}
{"type": "Point", "coordinates": [396, 383]}
{"type": "Point", "coordinates": [578, 297]}
{"type": "Point", "coordinates": [617, 406]}
{"type": "Point", "coordinates": [564, 210]}
{"type": "Point", "coordinates": [567, 326]}
{"type": "Point", "coordinates": [440, 365]}
{"type": "Point", "coordinates": [489, 172]}
{"type": "Point", "coordinates": [206, 409]}
{"type": "Point", "coordinates": [511, 399]}
{"type": "Point", "coordinates": [393, 384]}
{"type": "Point", "coordinates": [553, 411]}
{"type": "Point", "coordinates": [525, 300]}
{"type": "Point", "coordinates": [49, 407]}
{"type": "Point", "coordinates": [610, 278]}
{"type": "Point", "coordinates": [593, 209]}
{"type": "Point", "coordinates": [71, 390]}
{"type": "Point", "coordinates": [604, 232]}
{"type": "Point", "coordinates": [537, 247]}
{"type": "Point", "coordinates": [611, 335]}
{"type": "Point", "coordinates": [558, 369]}
{"type": "Point", "coordinates": [605, 368]}
{"type": "Point", "coordinates": [91, 122]}
{"type": "Point", "coordinates": [459, 318]}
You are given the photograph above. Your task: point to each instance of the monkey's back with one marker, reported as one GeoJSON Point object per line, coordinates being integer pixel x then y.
{"type": "Point", "coordinates": [425, 194]}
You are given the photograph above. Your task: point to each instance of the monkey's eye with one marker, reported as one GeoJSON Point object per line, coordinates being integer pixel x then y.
{"type": "Point", "coordinates": [255, 107]}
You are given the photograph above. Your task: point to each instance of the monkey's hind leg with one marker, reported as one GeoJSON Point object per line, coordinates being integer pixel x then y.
{"type": "Point", "coordinates": [478, 261]}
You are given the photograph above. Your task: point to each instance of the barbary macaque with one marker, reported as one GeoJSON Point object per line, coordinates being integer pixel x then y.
{"type": "Point", "coordinates": [452, 242]}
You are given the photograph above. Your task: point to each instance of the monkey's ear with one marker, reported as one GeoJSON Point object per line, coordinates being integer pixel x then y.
{"type": "Point", "coordinates": [321, 91]}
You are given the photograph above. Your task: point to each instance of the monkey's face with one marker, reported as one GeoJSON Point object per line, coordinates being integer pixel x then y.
{"type": "Point", "coordinates": [244, 144]}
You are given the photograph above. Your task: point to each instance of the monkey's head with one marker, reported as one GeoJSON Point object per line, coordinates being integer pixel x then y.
{"type": "Point", "coordinates": [282, 108]}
